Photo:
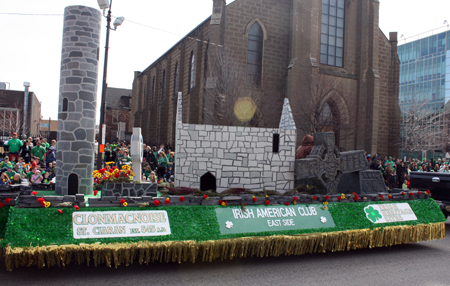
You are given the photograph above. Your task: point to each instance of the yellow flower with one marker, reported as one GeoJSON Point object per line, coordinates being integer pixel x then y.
{"type": "Point", "coordinates": [125, 204]}
{"type": "Point", "coordinates": [223, 204]}
{"type": "Point", "coordinates": [47, 204]}
{"type": "Point", "coordinates": [253, 197]}
{"type": "Point", "coordinates": [307, 186]}
{"type": "Point", "coordinates": [325, 203]}
{"type": "Point", "coordinates": [324, 207]}
{"type": "Point", "coordinates": [109, 163]}
{"type": "Point", "coordinates": [132, 174]}
{"type": "Point", "coordinates": [294, 202]}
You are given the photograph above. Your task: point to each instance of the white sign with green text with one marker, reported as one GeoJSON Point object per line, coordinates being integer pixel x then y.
{"type": "Point", "coordinates": [383, 213]}
{"type": "Point", "coordinates": [120, 224]}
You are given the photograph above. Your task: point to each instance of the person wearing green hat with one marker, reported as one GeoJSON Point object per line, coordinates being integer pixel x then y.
{"type": "Point", "coordinates": [4, 162]}
{"type": "Point", "coordinates": [10, 172]}
{"type": "Point", "coordinates": [14, 146]}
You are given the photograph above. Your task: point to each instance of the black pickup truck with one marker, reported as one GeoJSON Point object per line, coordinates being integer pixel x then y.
{"type": "Point", "coordinates": [437, 183]}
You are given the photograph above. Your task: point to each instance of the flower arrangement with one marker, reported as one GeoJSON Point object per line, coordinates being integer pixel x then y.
{"type": "Point", "coordinates": [325, 205]}
{"type": "Point", "coordinates": [123, 202]}
{"type": "Point", "coordinates": [294, 200]}
{"type": "Point", "coordinates": [112, 174]}
{"type": "Point", "coordinates": [223, 203]}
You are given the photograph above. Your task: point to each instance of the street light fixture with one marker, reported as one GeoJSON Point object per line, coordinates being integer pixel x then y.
{"type": "Point", "coordinates": [105, 4]}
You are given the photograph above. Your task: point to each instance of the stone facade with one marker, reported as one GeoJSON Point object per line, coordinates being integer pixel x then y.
{"type": "Point", "coordinates": [236, 157]}
{"type": "Point", "coordinates": [129, 189]}
{"type": "Point", "coordinates": [368, 78]}
{"type": "Point", "coordinates": [77, 100]}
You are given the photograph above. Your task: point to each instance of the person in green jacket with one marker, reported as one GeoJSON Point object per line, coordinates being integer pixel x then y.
{"type": "Point", "coordinates": [14, 145]}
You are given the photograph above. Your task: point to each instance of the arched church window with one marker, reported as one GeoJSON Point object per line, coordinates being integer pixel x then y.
{"type": "Point", "coordinates": [254, 54]}
{"type": "Point", "coordinates": [191, 71]}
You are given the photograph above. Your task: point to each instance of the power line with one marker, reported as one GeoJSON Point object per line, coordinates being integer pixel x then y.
{"type": "Point", "coordinates": [133, 22]}
{"type": "Point", "coordinates": [30, 14]}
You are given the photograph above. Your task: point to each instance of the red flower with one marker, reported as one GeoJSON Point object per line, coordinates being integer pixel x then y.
{"type": "Point", "coordinates": [286, 203]}
{"type": "Point", "coordinates": [95, 193]}
{"type": "Point", "coordinates": [129, 172]}
{"type": "Point", "coordinates": [267, 202]}
{"type": "Point", "coordinates": [327, 197]}
{"type": "Point", "coordinates": [60, 211]}
{"type": "Point", "coordinates": [428, 192]}
{"type": "Point", "coordinates": [356, 198]}
{"type": "Point", "coordinates": [41, 200]}
{"type": "Point", "coordinates": [419, 192]}
{"type": "Point", "coordinates": [114, 167]}
{"type": "Point", "coordinates": [181, 199]}
{"type": "Point", "coordinates": [339, 198]}
{"type": "Point", "coordinates": [34, 193]}
{"type": "Point", "coordinates": [403, 193]}
{"type": "Point", "coordinates": [314, 198]}
{"type": "Point", "coordinates": [122, 201]}
{"type": "Point", "coordinates": [102, 170]}
{"type": "Point", "coordinates": [245, 204]}
{"type": "Point", "coordinates": [295, 199]}
{"type": "Point", "coordinates": [116, 175]}
{"type": "Point", "coordinates": [220, 202]}
{"type": "Point", "coordinates": [76, 207]}
{"type": "Point", "coordinates": [390, 196]}
{"type": "Point", "coordinates": [205, 196]}
{"type": "Point", "coordinates": [1, 204]}
{"type": "Point", "coordinates": [167, 201]}
{"type": "Point", "coordinates": [156, 203]}
{"type": "Point", "coordinates": [254, 199]}
{"type": "Point", "coordinates": [382, 197]}
{"type": "Point", "coordinates": [411, 194]}
{"type": "Point", "coordinates": [8, 200]}
{"type": "Point", "coordinates": [105, 178]}
{"type": "Point", "coordinates": [125, 175]}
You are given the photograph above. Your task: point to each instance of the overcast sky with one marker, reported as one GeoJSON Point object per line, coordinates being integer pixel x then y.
{"type": "Point", "coordinates": [31, 31]}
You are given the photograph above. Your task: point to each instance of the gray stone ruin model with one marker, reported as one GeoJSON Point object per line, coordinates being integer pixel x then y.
{"type": "Point", "coordinates": [211, 157]}
{"type": "Point", "coordinates": [334, 172]}
{"type": "Point", "coordinates": [77, 100]}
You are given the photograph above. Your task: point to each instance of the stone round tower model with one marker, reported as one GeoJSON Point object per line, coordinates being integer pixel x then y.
{"type": "Point", "coordinates": [77, 100]}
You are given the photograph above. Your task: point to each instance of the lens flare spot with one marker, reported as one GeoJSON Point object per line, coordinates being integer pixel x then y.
{"type": "Point", "coordinates": [244, 109]}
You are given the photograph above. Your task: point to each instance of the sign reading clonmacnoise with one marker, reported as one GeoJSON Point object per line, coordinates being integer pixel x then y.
{"type": "Point", "coordinates": [120, 224]}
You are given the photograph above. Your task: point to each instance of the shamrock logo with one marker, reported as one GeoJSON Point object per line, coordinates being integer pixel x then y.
{"type": "Point", "coordinates": [372, 214]}
{"type": "Point", "coordinates": [228, 224]}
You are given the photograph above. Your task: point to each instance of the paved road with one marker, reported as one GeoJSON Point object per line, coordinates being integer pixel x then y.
{"type": "Point", "coordinates": [426, 263]}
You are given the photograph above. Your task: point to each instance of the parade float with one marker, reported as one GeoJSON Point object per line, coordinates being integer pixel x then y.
{"type": "Point", "coordinates": [239, 192]}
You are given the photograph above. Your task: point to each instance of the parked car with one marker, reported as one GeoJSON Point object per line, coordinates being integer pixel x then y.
{"type": "Point", "coordinates": [439, 185]}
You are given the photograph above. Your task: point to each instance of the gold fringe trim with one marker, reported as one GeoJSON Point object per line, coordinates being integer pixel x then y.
{"type": "Point", "coordinates": [177, 251]}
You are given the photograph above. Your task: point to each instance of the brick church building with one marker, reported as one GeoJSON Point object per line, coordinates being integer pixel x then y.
{"type": "Point", "coordinates": [329, 58]}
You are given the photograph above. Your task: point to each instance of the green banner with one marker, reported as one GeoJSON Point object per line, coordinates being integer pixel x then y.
{"type": "Point", "coordinates": [272, 218]}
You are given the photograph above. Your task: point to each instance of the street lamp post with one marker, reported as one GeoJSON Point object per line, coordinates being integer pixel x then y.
{"type": "Point", "coordinates": [103, 5]}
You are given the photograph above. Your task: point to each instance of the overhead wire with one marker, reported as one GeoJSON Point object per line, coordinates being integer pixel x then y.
{"type": "Point", "coordinates": [133, 22]}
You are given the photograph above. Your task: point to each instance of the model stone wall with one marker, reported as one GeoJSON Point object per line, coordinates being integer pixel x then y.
{"type": "Point", "coordinates": [238, 157]}
{"type": "Point", "coordinates": [77, 100]}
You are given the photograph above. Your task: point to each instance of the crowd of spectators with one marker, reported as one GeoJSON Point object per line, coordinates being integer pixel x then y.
{"type": "Point", "coordinates": [396, 171]}
{"type": "Point", "coordinates": [157, 163]}
{"type": "Point", "coordinates": [27, 160]}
